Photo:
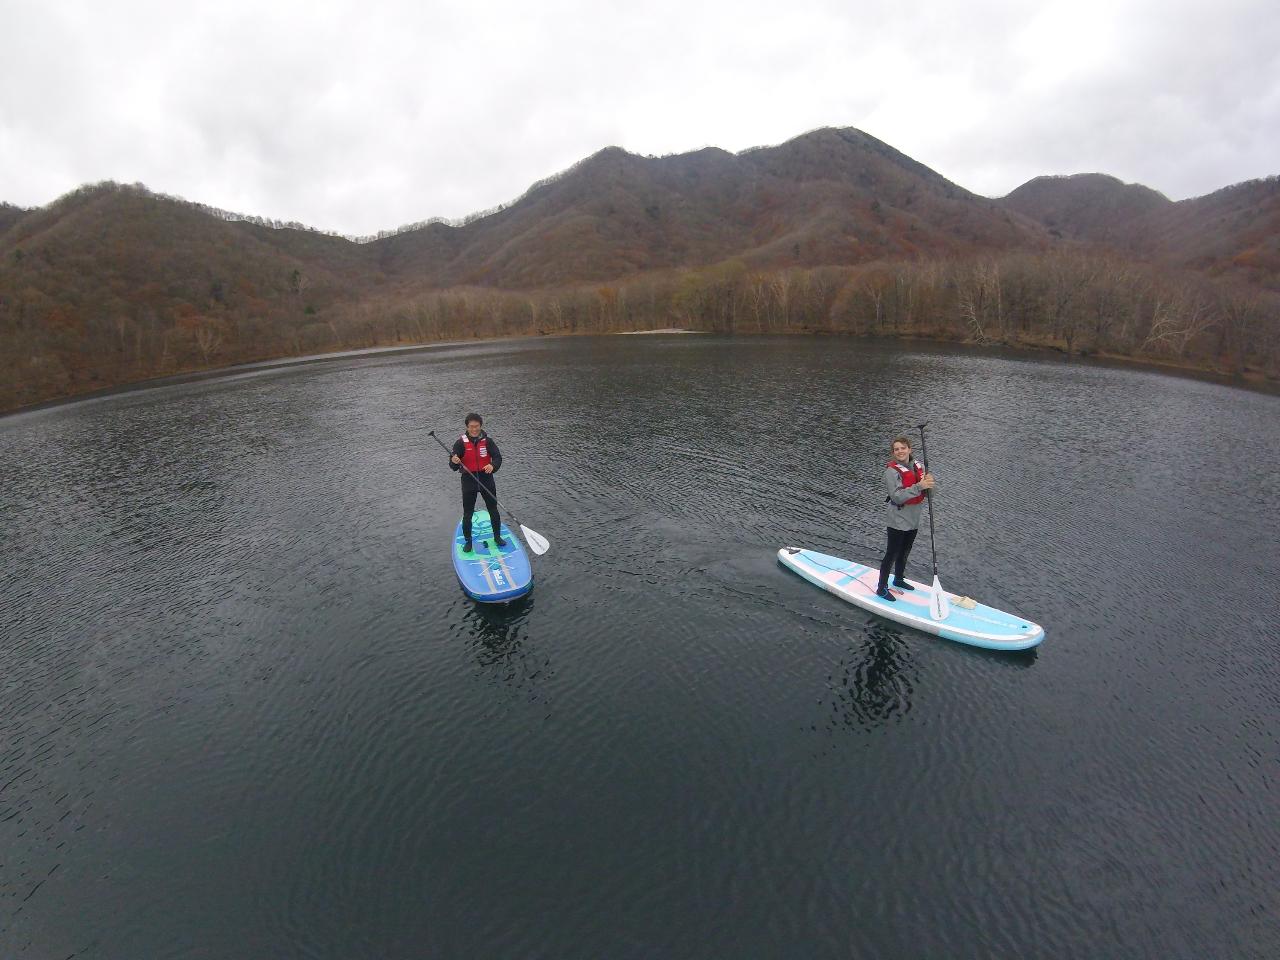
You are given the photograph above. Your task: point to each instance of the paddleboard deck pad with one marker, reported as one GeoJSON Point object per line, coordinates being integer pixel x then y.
{"type": "Point", "coordinates": [489, 573]}
{"type": "Point", "coordinates": [981, 626]}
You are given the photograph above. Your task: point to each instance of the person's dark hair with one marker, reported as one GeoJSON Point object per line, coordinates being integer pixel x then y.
{"type": "Point", "coordinates": [474, 416]}
{"type": "Point", "coordinates": [901, 440]}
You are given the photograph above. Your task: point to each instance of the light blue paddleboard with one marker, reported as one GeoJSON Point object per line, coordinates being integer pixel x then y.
{"type": "Point", "coordinates": [981, 626]}
{"type": "Point", "coordinates": [489, 573]}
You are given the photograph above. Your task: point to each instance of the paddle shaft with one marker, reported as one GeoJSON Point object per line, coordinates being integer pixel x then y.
{"type": "Point", "coordinates": [432, 435]}
{"type": "Point", "coordinates": [928, 497]}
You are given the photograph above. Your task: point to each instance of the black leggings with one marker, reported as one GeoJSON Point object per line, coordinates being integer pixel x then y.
{"type": "Point", "coordinates": [895, 556]}
{"type": "Point", "coordinates": [469, 492]}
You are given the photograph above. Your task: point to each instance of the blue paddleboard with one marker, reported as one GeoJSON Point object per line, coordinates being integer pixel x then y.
{"type": "Point", "coordinates": [488, 573]}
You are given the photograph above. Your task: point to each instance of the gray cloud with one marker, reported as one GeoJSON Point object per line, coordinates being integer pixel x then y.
{"type": "Point", "coordinates": [360, 117]}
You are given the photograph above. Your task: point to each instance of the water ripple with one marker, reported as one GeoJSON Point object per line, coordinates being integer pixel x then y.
{"type": "Point", "coordinates": [245, 709]}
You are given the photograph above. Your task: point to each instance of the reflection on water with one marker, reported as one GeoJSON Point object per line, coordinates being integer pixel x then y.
{"type": "Point", "coordinates": [246, 709]}
{"type": "Point", "coordinates": [874, 686]}
{"type": "Point", "coordinates": [498, 636]}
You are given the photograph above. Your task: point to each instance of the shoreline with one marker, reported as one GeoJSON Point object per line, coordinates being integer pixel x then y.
{"type": "Point", "coordinates": [1250, 381]}
{"type": "Point", "coordinates": [255, 366]}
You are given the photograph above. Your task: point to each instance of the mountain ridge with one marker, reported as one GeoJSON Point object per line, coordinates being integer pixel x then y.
{"type": "Point", "coordinates": [112, 281]}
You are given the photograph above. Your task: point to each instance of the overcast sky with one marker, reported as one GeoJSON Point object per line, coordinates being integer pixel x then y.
{"type": "Point", "coordinates": [358, 117]}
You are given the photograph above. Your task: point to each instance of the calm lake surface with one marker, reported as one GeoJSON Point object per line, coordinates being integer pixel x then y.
{"type": "Point", "coordinates": [246, 711]}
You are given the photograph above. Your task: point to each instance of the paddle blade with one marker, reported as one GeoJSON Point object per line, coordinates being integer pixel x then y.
{"type": "Point", "coordinates": [536, 541]}
{"type": "Point", "coordinates": [939, 605]}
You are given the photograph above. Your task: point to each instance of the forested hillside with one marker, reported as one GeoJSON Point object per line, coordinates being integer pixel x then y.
{"type": "Point", "coordinates": [1233, 233]}
{"type": "Point", "coordinates": [832, 232]}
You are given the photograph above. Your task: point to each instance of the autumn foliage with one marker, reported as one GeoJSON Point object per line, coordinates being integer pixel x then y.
{"type": "Point", "coordinates": [834, 232]}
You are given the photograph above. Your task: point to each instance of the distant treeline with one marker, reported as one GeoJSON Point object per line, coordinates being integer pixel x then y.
{"type": "Point", "coordinates": [1085, 304]}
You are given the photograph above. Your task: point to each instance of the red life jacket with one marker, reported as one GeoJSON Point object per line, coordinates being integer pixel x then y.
{"type": "Point", "coordinates": [475, 454]}
{"type": "Point", "coordinates": [909, 475]}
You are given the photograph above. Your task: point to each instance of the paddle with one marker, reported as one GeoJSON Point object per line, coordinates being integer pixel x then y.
{"type": "Point", "coordinates": [939, 606]}
{"type": "Point", "coordinates": [537, 542]}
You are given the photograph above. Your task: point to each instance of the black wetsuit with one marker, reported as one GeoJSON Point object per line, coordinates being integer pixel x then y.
{"type": "Point", "coordinates": [481, 484]}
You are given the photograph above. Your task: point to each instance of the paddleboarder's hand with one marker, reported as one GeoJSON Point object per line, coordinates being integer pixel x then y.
{"type": "Point", "coordinates": [488, 468]}
{"type": "Point", "coordinates": [927, 482]}
{"type": "Point", "coordinates": [455, 459]}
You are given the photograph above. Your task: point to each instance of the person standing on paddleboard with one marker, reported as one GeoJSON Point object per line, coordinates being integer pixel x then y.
{"type": "Point", "coordinates": [905, 484]}
{"type": "Point", "coordinates": [476, 451]}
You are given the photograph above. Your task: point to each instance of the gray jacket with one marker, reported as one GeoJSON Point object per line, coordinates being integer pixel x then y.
{"type": "Point", "coordinates": [900, 517]}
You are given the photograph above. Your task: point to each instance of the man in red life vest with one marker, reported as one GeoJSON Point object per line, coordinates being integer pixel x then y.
{"type": "Point", "coordinates": [476, 451]}
{"type": "Point", "coordinates": [905, 486]}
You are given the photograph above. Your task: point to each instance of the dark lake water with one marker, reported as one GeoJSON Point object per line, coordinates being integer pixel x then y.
{"type": "Point", "coordinates": [246, 711]}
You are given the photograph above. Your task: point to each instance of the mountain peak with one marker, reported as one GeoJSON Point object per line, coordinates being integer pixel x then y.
{"type": "Point", "coordinates": [1084, 206]}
